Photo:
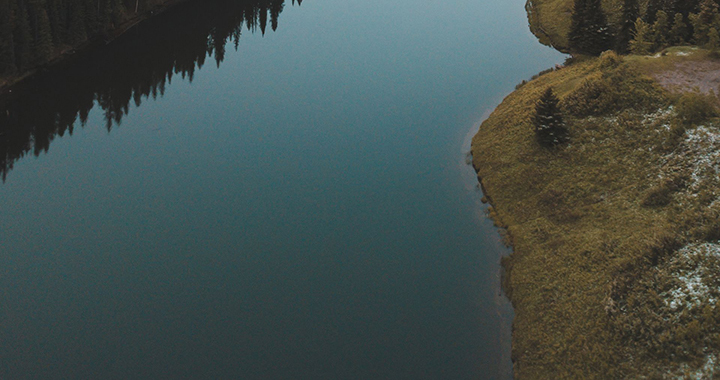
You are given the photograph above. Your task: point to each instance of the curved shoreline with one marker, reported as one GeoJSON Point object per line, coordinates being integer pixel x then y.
{"type": "Point", "coordinates": [597, 233]}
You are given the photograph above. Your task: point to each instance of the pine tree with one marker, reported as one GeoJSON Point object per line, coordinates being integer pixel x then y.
{"type": "Point", "coordinates": [630, 13]}
{"type": "Point", "coordinates": [641, 44]}
{"type": "Point", "coordinates": [77, 33]}
{"type": "Point", "coordinates": [651, 12]}
{"type": "Point", "coordinates": [589, 31]}
{"type": "Point", "coordinates": [708, 12]}
{"type": "Point", "coordinates": [678, 30]}
{"type": "Point", "coordinates": [7, 47]}
{"type": "Point", "coordinates": [23, 37]}
{"type": "Point", "coordinates": [548, 121]}
{"type": "Point", "coordinates": [55, 12]}
{"type": "Point", "coordinates": [713, 40]}
{"type": "Point", "coordinates": [118, 11]}
{"type": "Point", "coordinates": [41, 31]}
{"type": "Point", "coordinates": [703, 21]}
{"type": "Point", "coordinates": [660, 30]}
{"type": "Point", "coordinates": [276, 7]}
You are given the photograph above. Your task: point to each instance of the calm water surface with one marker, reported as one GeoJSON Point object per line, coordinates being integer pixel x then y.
{"type": "Point", "coordinates": [298, 208]}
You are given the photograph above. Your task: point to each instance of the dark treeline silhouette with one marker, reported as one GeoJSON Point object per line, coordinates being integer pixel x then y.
{"type": "Point", "coordinates": [134, 67]}
{"type": "Point", "coordinates": [31, 31]}
{"type": "Point", "coordinates": [34, 31]}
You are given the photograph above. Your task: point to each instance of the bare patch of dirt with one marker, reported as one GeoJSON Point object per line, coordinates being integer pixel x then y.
{"type": "Point", "coordinates": [687, 76]}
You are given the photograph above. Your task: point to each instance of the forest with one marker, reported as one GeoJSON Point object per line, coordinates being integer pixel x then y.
{"type": "Point", "coordinates": [135, 66]}
{"type": "Point", "coordinates": [642, 29]}
{"type": "Point", "coordinates": [32, 32]}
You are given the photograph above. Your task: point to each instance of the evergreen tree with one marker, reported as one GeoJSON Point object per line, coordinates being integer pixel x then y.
{"type": "Point", "coordinates": [41, 31]}
{"type": "Point", "coordinates": [23, 37]}
{"type": "Point", "coordinates": [703, 21]}
{"type": "Point", "coordinates": [76, 24]}
{"type": "Point", "coordinates": [275, 9]}
{"type": "Point", "coordinates": [651, 11]}
{"type": "Point", "coordinates": [678, 30]}
{"type": "Point", "coordinates": [630, 13]}
{"type": "Point", "coordinates": [7, 47]}
{"type": "Point", "coordinates": [589, 31]}
{"type": "Point", "coordinates": [660, 30]}
{"type": "Point", "coordinates": [713, 40]}
{"type": "Point", "coordinates": [56, 15]}
{"type": "Point", "coordinates": [641, 44]}
{"type": "Point", "coordinates": [263, 20]}
{"type": "Point", "coordinates": [708, 12]}
{"type": "Point", "coordinates": [548, 121]}
{"type": "Point", "coordinates": [118, 11]}
{"type": "Point", "coordinates": [685, 7]}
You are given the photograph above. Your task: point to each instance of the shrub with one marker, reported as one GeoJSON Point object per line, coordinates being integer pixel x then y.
{"type": "Point", "coordinates": [613, 91]}
{"type": "Point", "coordinates": [695, 107]}
{"type": "Point", "coordinates": [609, 60]}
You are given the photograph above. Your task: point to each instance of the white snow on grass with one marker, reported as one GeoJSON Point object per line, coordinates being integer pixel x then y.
{"type": "Point", "coordinates": [660, 119]}
{"type": "Point", "coordinates": [697, 161]}
{"type": "Point", "coordinates": [706, 371]}
{"type": "Point", "coordinates": [692, 276]}
{"type": "Point", "coordinates": [702, 152]}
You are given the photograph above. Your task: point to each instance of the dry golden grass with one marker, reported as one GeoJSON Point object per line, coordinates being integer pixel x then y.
{"type": "Point", "coordinates": [584, 234]}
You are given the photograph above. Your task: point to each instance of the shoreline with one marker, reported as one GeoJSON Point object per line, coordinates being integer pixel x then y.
{"type": "Point", "coordinates": [503, 303]}
{"type": "Point", "coordinates": [606, 230]}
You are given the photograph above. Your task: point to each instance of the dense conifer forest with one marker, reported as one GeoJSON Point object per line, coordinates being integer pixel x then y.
{"type": "Point", "coordinates": [34, 31]}
{"type": "Point", "coordinates": [660, 24]}
{"type": "Point", "coordinates": [134, 67]}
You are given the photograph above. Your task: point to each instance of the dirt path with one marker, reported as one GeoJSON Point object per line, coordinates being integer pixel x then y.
{"type": "Point", "coordinates": [686, 76]}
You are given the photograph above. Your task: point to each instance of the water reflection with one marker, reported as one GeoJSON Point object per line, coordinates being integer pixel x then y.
{"type": "Point", "coordinates": [135, 67]}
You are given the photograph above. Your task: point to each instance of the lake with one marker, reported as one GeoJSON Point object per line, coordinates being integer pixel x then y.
{"type": "Point", "coordinates": [261, 190]}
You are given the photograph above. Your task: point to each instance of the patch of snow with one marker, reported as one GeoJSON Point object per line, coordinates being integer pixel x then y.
{"type": "Point", "coordinates": [706, 371]}
{"type": "Point", "coordinates": [683, 53]}
{"type": "Point", "coordinates": [692, 291]}
{"type": "Point", "coordinates": [662, 114]}
{"type": "Point", "coordinates": [702, 147]}
{"type": "Point", "coordinates": [696, 159]}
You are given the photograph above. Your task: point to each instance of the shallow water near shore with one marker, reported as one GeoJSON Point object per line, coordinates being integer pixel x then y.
{"type": "Point", "coordinates": [300, 209]}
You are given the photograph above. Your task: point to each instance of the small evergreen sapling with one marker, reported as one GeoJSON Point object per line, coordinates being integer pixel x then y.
{"type": "Point", "coordinates": [548, 121]}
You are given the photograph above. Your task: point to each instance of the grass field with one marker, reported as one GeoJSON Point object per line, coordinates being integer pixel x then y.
{"type": "Point", "coordinates": [615, 234]}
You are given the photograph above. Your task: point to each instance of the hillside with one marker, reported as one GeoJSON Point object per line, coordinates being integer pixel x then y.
{"type": "Point", "coordinates": [615, 234]}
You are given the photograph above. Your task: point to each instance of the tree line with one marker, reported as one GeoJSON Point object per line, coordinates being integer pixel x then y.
{"type": "Point", "coordinates": [659, 24]}
{"type": "Point", "coordinates": [134, 67]}
{"type": "Point", "coordinates": [34, 31]}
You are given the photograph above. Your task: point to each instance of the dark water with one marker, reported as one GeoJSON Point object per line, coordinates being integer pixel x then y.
{"type": "Point", "coordinates": [298, 208]}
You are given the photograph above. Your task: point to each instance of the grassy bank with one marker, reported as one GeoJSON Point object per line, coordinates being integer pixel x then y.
{"type": "Point", "coordinates": [614, 234]}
